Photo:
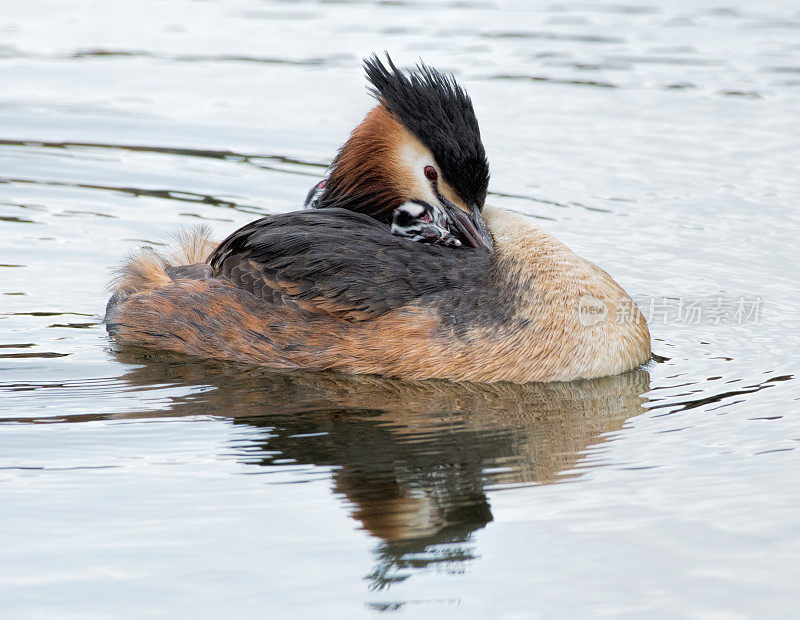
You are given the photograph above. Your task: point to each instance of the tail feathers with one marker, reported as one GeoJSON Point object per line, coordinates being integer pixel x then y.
{"type": "Point", "coordinates": [192, 245]}
{"type": "Point", "coordinates": [146, 269]}
{"type": "Point", "coordinates": [143, 270]}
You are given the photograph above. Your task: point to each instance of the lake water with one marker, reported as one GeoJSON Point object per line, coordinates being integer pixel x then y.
{"type": "Point", "coordinates": [658, 139]}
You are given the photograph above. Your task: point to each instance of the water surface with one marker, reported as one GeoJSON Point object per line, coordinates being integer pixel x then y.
{"type": "Point", "coordinates": [657, 139]}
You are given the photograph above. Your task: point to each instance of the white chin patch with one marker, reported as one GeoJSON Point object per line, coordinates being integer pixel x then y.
{"type": "Point", "coordinates": [409, 232]}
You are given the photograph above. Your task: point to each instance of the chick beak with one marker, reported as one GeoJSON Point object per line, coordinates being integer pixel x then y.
{"type": "Point", "coordinates": [471, 227]}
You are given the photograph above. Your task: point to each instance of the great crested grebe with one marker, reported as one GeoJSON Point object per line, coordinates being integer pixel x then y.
{"type": "Point", "coordinates": [331, 288]}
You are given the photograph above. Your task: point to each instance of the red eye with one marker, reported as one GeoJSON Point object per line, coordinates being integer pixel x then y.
{"type": "Point", "coordinates": [430, 173]}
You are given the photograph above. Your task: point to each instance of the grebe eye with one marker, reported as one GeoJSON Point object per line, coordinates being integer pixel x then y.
{"type": "Point", "coordinates": [430, 173]}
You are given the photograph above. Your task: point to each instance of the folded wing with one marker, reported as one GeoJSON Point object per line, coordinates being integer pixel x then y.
{"type": "Point", "coordinates": [341, 263]}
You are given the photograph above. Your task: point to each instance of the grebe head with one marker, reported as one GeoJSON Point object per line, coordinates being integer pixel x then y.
{"type": "Point", "coordinates": [420, 221]}
{"type": "Point", "coordinates": [314, 194]}
{"type": "Point", "coordinates": [421, 144]}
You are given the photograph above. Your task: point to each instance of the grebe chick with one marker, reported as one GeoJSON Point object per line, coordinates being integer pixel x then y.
{"type": "Point", "coordinates": [415, 220]}
{"type": "Point", "coordinates": [420, 221]}
{"type": "Point", "coordinates": [314, 194]}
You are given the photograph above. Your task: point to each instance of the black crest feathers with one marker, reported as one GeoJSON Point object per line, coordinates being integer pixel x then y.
{"type": "Point", "coordinates": [439, 112]}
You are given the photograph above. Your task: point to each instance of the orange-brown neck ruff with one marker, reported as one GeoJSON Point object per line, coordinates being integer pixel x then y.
{"type": "Point", "coordinates": [363, 175]}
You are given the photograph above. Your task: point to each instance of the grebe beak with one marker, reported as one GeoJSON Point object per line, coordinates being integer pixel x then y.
{"type": "Point", "coordinates": [472, 228]}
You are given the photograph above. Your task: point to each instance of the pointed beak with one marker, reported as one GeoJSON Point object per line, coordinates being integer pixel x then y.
{"type": "Point", "coordinates": [471, 228]}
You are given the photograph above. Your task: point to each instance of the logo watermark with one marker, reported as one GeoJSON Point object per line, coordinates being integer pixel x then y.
{"type": "Point", "coordinates": [711, 310]}
{"type": "Point", "coordinates": [591, 310]}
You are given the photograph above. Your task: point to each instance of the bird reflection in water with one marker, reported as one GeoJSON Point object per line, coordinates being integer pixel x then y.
{"type": "Point", "coordinates": [412, 459]}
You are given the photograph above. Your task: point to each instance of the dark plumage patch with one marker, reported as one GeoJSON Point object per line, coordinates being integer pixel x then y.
{"type": "Point", "coordinates": [439, 112]}
{"type": "Point", "coordinates": [343, 264]}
